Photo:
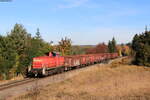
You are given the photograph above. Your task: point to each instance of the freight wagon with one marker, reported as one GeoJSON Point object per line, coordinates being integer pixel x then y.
{"type": "Point", "coordinates": [54, 63]}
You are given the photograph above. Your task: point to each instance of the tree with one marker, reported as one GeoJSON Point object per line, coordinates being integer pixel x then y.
{"type": "Point", "coordinates": [7, 56]}
{"type": "Point", "coordinates": [135, 42]}
{"type": "Point", "coordinates": [141, 46]}
{"type": "Point", "coordinates": [17, 50]}
{"type": "Point", "coordinates": [100, 48]}
{"type": "Point", "coordinates": [112, 46]}
{"type": "Point", "coordinates": [21, 44]}
{"type": "Point", "coordinates": [65, 46]}
{"type": "Point", "coordinates": [38, 34]}
{"type": "Point", "coordinates": [39, 46]}
{"type": "Point", "coordinates": [124, 49]}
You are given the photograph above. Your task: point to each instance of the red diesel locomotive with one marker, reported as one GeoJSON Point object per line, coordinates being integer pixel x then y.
{"type": "Point", "coordinates": [54, 63]}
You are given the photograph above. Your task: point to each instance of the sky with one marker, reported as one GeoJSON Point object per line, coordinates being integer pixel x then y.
{"type": "Point", "coordinates": [86, 22]}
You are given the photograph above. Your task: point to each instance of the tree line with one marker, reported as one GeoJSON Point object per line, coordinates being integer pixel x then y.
{"type": "Point", "coordinates": [141, 47]}
{"type": "Point", "coordinates": [111, 47]}
{"type": "Point", "coordinates": [103, 48]}
{"type": "Point", "coordinates": [18, 48]}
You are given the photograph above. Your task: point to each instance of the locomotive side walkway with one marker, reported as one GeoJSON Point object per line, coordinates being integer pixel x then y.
{"type": "Point", "coordinates": [13, 92]}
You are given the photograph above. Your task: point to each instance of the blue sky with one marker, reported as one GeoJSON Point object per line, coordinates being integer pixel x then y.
{"type": "Point", "coordinates": [84, 21]}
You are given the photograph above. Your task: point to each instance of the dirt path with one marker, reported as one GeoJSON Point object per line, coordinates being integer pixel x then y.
{"type": "Point", "coordinates": [115, 81]}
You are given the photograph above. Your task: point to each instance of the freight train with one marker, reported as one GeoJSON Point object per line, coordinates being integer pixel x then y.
{"type": "Point", "coordinates": [54, 63]}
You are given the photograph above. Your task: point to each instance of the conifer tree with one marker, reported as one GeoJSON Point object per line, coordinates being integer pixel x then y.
{"type": "Point", "coordinates": [17, 50]}
{"type": "Point", "coordinates": [7, 56]}
{"type": "Point", "coordinates": [112, 46]}
{"type": "Point", "coordinates": [21, 41]}
{"type": "Point", "coordinates": [141, 46]}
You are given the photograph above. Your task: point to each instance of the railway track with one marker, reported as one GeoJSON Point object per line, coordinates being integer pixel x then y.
{"type": "Point", "coordinates": [26, 80]}
{"type": "Point", "coordinates": [16, 83]}
{"type": "Point", "coordinates": [22, 86]}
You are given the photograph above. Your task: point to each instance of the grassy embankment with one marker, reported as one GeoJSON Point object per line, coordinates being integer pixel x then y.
{"type": "Point", "coordinates": [115, 81]}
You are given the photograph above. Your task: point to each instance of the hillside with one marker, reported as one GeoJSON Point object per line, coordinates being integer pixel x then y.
{"type": "Point", "coordinates": [114, 81]}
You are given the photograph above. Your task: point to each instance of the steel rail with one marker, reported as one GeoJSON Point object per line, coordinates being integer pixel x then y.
{"type": "Point", "coordinates": [16, 83]}
{"type": "Point", "coordinates": [27, 80]}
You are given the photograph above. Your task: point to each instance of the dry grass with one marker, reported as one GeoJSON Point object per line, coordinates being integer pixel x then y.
{"type": "Point", "coordinates": [20, 77]}
{"type": "Point", "coordinates": [115, 81]}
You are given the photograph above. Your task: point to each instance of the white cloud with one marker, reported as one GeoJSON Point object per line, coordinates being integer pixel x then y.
{"type": "Point", "coordinates": [72, 3]}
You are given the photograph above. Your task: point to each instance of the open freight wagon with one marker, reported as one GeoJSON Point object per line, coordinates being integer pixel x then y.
{"type": "Point", "coordinates": [54, 63]}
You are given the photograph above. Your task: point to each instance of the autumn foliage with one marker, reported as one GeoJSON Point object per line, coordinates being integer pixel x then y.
{"type": "Point", "coordinates": [123, 50]}
{"type": "Point", "coordinates": [100, 48]}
